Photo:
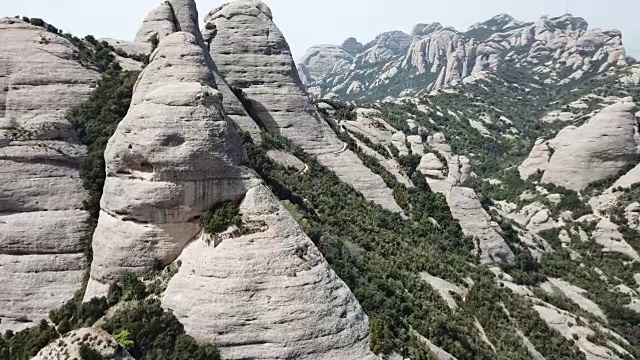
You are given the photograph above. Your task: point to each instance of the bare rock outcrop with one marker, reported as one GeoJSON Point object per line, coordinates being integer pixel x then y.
{"type": "Point", "coordinates": [562, 48]}
{"type": "Point", "coordinates": [68, 347]}
{"type": "Point", "coordinates": [182, 15]}
{"type": "Point", "coordinates": [538, 159]}
{"type": "Point", "coordinates": [162, 175]}
{"type": "Point", "coordinates": [263, 292]}
{"type": "Point", "coordinates": [267, 294]}
{"type": "Point", "coordinates": [322, 60]}
{"type": "Point", "coordinates": [595, 150]}
{"type": "Point", "coordinates": [157, 25]}
{"type": "Point", "coordinates": [475, 221]}
{"type": "Point", "coordinates": [43, 227]}
{"type": "Point", "coordinates": [254, 57]}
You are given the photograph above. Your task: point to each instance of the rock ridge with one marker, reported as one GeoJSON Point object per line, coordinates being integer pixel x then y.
{"type": "Point", "coordinates": [43, 224]}
{"type": "Point", "coordinates": [254, 57]}
{"type": "Point", "coordinates": [174, 157]}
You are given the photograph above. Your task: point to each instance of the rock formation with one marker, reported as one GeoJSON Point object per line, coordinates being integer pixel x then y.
{"type": "Point", "coordinates": [68, 347]}
{"type": "Point", "coordinates": [253, 56]}
{"type": "Point", "coordinates": [269, 292]}
{"type": "Point", "coordinates": [157, 25]}
{"type": "Point", "coordinates": [595, 150]}
{"type": "Point", "coordinates": [351, 46]}
{"type": "Point", "coordinates": [276, 97]}
{"type": "Point", "coordinates": [323, 60]}
{"type": "Point", "coordinates": [182, 15]}
{"type": "Point", "coordinates": [434, 57]}
{"type": "Point", "coordinates": [466, 207]}
{"type": "Point", "coordinates": [43, 227]}
{"type": "Point", "coordinates": [162, 175]}
{"type": "Point", "coordinates": [538, 159]}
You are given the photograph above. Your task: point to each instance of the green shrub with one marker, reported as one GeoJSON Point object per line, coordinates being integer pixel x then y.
{"type": "Point", "coordinates": [152, 333]}
{"type": "Point", "coordinates": [87, 353]}
{"type": "Point", "coordinates": [221, 217]}
{"type": "Point", "coordinates": [95, 121]}
{"type": "Point", "coordinates": [25, 344]}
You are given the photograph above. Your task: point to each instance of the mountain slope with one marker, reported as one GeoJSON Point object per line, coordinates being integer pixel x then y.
{"type": "Point", "coordinates": [238, 214]}
{"type": "Point", "coordinates": [558, 50]}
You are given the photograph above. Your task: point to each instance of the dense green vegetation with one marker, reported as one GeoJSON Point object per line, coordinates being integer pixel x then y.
{"type": "Point", "coordinates": [96, 120]}
{"type": "Point", "coordinates": [221, 217]}
{"type": "Point", "coordinates": [138, 324]}
{"type": "Point", "coordinates": [380, 256]}
{"type": "Point", "coordinates": [94, 54]}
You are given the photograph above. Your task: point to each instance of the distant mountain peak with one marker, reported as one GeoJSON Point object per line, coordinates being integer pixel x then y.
{"type": "Point", "coordinates": [497, 23]}
{"type": "Point", "coordinates": [425, 29]}
{"type": "Point", "coordinates": [434, 56]}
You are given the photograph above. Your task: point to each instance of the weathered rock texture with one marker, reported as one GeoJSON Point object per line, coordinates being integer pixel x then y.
{"type": "Point", "coordinates": [596, 150]}
{"type": "Point", "coordinates": [182, 15]}
{"type": "Point", "coordinates": [68, 347]}
{"type": "Point", "coordinates": [265, 294]}
{"type": "Point", "coordinates": [396, 64]}
{"type": "Point", "coordinates": [253, 56]}
{"type": "Point", "coordinates": [161, 174]}
{"type": "Point", "coordinates": [323, 60]}
{"type": "Point", "coordinates": [466, 207]}
{"type": "Point", "coordinates": [43, 227]}
{"type": "Point", "coordinates": [158, 24]}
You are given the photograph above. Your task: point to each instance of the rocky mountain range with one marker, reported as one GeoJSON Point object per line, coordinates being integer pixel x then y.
{"type": "Point", "coordinates": [196, 194]}
{"type": "Point", "coordinates": [559, 50]}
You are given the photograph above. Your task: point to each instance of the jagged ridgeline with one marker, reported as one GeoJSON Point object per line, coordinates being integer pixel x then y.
{"type": "Point", "coordinates": [182, 197]}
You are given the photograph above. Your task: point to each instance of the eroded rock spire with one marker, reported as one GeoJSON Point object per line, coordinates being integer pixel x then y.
{"type": "Point", "coordinates": [262, 292]}
{"type": "Point", "coordinates": [171, 159]}
{"type": "Point", "coordinates": [253, 55]}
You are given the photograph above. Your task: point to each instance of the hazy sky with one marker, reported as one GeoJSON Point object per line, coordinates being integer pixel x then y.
{"type": "Point", "coordinates": [310, 22]}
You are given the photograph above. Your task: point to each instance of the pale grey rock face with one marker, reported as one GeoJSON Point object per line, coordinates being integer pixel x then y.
{"type": "Point", "coordinates": [460, 173]}
{"type": "Point", "coordinates": [322, 60]}
{"type": "Point", "coordinates": [538, 159]}
{"type": "Point", "coordinates": [445, 289]}
{"type": "Point", "coordinates": [425, 29]}
{"type": "Point", "coordinates": [595, 150]}
{"type": "Point", "coordinates": [162, 175]}
{"type": "Point", "coordinates": [182, 15]}
{"type": "Point", "coordinates": [607, 235]}
{"type": "Point", "coordinates": [575, 294]}
{"type": "Point", "coordinates": [439, 143]}
{"type": "Point", "coordinates": [253, 55]}
{"type": "Point", "coordinates": [246, 43]}
{"type": "Point", "coordinates": [440, 57]}
{"type": "Point", "coordinates": [435, 173]}
{"type": "Point", "coordinates": [391, 165]}
{"type": "Point", "coordinates": [352, 46]}
{"type": "Point", "coordinates": [158, 24]}
{"type": "Point", "coordinates": [287, 160]}
{"type": "Point", "coordinates": [43, 227]}
{"type": "Point", "coordinates": [349, 168]}
{"type": "Point", "coordinates": [68, 347]}
{"type": "Point", "coordinates": [130, 47]}
{"type": "Point", "coordinates": [386, 46]}
{"type": "Point", "coordinates": [267, 294]}
{"type": "Point", "coordinates": [567, 325]}
{"type": "Point", "coordinates": [466, 208]}
{"type": "Point", "coordinates": [435, 350]}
